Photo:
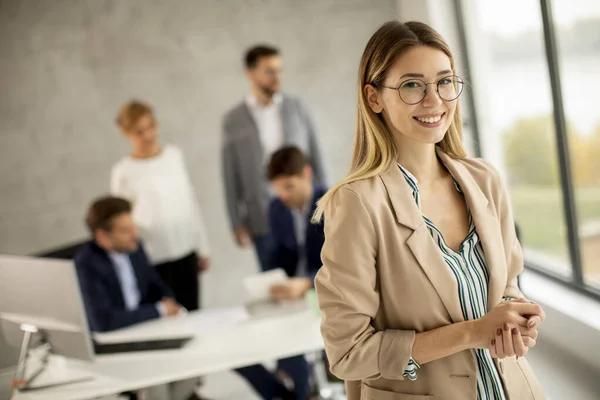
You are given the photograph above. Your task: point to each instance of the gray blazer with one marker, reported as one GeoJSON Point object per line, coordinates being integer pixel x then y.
{"type": "Point", "coordinates": [244, 174]}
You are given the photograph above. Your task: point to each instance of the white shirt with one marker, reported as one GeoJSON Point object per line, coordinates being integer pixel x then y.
{"type": "Point", "coordinates": [268, 121]}
{"type": "Point", "coordinates": [165, 207]}
{"type": "Point", "coordinates": [127, 279]}
{"type": "Point", "coordinates": [129, 284]}
{"type": "Point", "coordinates": [300, 218]}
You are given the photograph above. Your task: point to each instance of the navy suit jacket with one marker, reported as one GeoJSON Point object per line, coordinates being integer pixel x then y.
{"type": "Point", "coordinates": [284, 253]}
{"type": "Point", "coordinates": [101, 289]}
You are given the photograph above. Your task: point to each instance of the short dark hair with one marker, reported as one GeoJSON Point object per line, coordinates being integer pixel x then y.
{"type": "Point", "coordinates": [103, 210]}
{"type": "Point", "coordinates": [257, 52]}
{"type": "Point", "coordinates": [287, 161]}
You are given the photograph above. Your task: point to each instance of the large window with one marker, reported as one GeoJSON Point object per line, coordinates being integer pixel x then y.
{"type": "Point", "coordinates": [519, 118]}
{"type": "Point", "coordinates": [578, 38]}
{"type": "Point", "coordinates": [535, 70]}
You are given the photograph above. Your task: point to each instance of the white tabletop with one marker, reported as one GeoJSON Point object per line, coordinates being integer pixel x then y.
{"type": "Point", "coordinates": [223, 340]}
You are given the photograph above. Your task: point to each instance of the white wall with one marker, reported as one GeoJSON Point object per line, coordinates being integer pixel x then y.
{"type": "Point", "coordinates": [66, 67]}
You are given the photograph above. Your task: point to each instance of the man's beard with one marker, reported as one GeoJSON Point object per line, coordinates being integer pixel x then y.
{"type": "Point", "coordinates": [126, 248]}
{"type": "Point", "coordinates": [267, 91]}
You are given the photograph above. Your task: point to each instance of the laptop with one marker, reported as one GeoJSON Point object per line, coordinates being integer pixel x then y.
{"type": "Point", "coordinates": [144, 345]}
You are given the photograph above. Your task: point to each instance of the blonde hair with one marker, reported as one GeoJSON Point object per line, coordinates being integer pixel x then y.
{"type": "Point", "coordinates": [131, 113]}
{"type": "Point", "coordinates": [374, 146]}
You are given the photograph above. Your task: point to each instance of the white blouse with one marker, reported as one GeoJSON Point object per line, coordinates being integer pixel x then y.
{"type": "Point", "coordinates": [165, 208]}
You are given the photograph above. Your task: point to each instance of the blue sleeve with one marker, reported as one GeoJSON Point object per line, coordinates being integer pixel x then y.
{"type": "Point", "coordinates": [101, 311]}
{"type": "Point", "coordinates": [274, 226]}
{"type": "Point", "coordinates": [158, 287]}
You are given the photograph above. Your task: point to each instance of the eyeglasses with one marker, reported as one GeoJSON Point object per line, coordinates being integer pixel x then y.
{"type": "Point", "coordinates": [413, 91]}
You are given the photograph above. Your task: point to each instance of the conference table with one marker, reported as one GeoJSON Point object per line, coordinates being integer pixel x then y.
{"type": "Point", "coordinates": [223, 339]}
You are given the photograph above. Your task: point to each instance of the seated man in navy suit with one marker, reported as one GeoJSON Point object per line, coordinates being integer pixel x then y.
{"type": "Point", "coordinates": [120, 288]}
{"type": "Point", "coordinates": [118, 285]}
{"type": "Point", "coordinates": [296, 242]}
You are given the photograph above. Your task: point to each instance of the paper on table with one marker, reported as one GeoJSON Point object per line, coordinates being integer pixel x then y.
{"type": "Point", "coordinates": [182, 325]}
{"type": "Point", "coordinates": [258, 285]}
{"type": "Point", "coordinates": [210, 321]}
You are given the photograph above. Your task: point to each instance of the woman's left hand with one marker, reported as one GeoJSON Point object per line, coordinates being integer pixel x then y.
{"type": "Point", "coordinates": [508, 342]}
{"type": "Point", "coordinates": [529, 332]}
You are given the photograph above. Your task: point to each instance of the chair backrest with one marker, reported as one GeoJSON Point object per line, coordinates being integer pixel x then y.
{"type": "Point", "coordinates": [64, 252]}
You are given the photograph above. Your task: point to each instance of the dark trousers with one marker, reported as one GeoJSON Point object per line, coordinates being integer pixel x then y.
{"type": "Point", "coordinates": [269, 387]}
{"type": "Point", "coordinates": [183, 279]}
{"type": "Point", "coordinates": [297, 368]}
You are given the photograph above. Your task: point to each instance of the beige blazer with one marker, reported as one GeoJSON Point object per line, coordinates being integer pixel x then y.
{"type": "Point", "coordinates": [383, 279]}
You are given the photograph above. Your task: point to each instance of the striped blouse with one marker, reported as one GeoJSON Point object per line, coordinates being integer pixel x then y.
{"type": "Point", "coordinates": [469, 268]}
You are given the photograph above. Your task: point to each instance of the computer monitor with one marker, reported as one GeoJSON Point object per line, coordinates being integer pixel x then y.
{"type": "Point", "coordinates": [43, 293]}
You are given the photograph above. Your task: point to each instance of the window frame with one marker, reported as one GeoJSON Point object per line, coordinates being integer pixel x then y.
{"type": "Point", "coordinates": [576, 280]}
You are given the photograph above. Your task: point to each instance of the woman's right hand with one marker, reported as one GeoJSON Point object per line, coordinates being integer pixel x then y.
{"type": "Point", "coordinates": [507, 343]}
{"type": "Point", "coordinates": [514, 313]}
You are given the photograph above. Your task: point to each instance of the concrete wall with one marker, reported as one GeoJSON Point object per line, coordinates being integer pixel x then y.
{"type": "Point", "coordinates": [67, 65]}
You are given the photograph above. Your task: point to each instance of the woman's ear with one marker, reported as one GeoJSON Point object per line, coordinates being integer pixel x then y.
{"type": "Point", "coordinates": [373, 98]}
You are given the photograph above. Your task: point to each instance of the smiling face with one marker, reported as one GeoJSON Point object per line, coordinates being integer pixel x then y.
{"type": "Point", "coordinates": [426, 121]}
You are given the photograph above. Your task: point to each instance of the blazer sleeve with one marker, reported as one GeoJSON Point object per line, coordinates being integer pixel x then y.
{"type": "Point", "coordinates": [275, 250]}
{"type": "Point", "coordinates": [512, 246]}
{"type": "Point", "coordinates": [158, 287]}
{"type": "Point", "coordinates": [316, 155]}
{"type": "Point", "coordinates": [103, 316]}
{"type": "Point", "coordinates": [231, 180]}
{"type": "Point", "coordinates": [348, 297]}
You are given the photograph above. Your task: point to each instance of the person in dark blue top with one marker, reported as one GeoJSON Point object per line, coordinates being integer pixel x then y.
{"type": "Point", "coordinates": [296, 242]}
{"type": "Point", "coordinates": [118, 285]}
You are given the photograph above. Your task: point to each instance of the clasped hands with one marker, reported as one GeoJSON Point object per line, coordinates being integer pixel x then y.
{"type": "Point", "coordinates": [510, 328]}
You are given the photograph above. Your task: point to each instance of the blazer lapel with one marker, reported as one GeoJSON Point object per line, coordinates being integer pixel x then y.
{"type": "Point", "coordinates": [140, 276]}
{"type": "Point", "coordinates": [420, 242]}
{"type": "Point", "coordinates": [111, 274]}
{"type": "Point", "coordinates": [429, 256]}
{"type": "Point", "coordinates": [403, 203]}
{"type": "Point", "coordinates": [252, 128]}
{"type": "Point", "coordinates": [487, 225]}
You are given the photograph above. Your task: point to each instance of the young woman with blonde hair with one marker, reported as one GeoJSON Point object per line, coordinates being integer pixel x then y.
{"type": "Point", "coordinates": [418, 285]}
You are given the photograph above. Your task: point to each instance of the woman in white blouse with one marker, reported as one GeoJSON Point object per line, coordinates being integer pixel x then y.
{"type": "Point", "coordinates": [165, 208]}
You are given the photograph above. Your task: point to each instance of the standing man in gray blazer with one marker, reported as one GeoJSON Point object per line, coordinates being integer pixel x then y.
{"type": "Point", "coordinates": [252, 131]}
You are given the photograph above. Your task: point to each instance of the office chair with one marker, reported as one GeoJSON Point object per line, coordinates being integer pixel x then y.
{"type": "Point", "coordinates": [66, 252]}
